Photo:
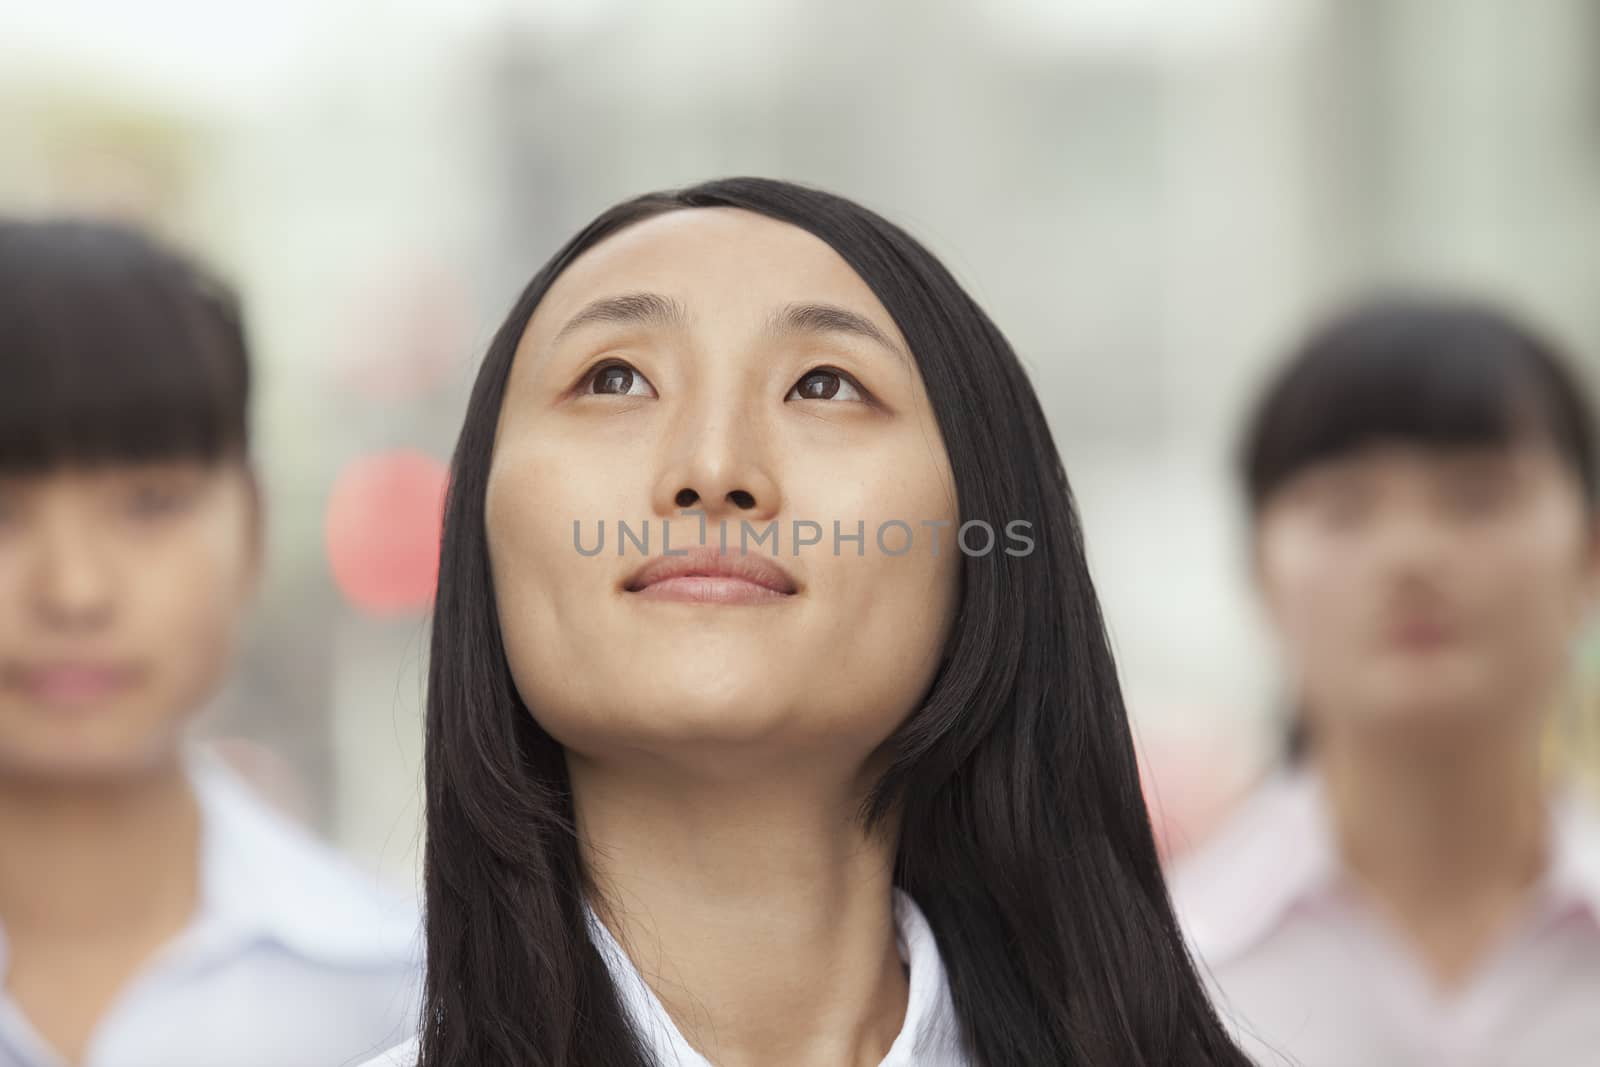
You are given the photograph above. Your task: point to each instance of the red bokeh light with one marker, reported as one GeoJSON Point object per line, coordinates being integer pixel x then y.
{"type": "Point", "coordinates": [382, 531]}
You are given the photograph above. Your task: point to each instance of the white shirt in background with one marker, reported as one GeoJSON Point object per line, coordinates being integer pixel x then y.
{"type": "Point", "coordinates": [1305, 971]}
{"type": "Point", "coordinates": [929, 1036]}
{"type": "Point", "coordinates": [295, 956]}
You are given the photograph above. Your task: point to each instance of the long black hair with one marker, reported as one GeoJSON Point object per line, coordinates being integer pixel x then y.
{"type": "Point", "coordinates": [1415, 367]}
{"type": "Point", "coordinates": [1024, 836]}
{"type": "Point", "coordinates": [114, 347]}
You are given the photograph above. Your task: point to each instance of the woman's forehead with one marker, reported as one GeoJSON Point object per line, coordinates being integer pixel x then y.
{"type": "Point", "coordinates": [709, 264]}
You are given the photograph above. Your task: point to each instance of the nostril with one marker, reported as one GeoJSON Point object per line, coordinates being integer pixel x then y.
{"type": "Point", "coordinates": [686, 497]}
{"type": "Point", "coordinates": [742, 499]}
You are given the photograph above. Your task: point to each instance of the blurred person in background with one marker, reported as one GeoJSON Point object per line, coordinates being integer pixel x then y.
{"type": "Point", "coordinates": [154, 912]}
{"type": "Point", "coordinates": [867, 804]}
{"type": "Point", "coordinates": [1410, 886]}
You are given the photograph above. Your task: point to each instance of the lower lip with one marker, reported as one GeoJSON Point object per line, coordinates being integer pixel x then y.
{"type": "Point", "coordinates": [706, 589]}
{"type": "Point", "coordinates": [71, 687]}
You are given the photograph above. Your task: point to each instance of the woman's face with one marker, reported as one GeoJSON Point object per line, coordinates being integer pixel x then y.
{"type": "Point", "coordinates": [1420, 586]}
{"type": "Point", "coordinates": [719, 360]}
{"type": "Point", "coordinates": [121, 592]}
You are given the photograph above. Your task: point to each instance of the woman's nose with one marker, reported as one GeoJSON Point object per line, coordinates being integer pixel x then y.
{"type": "Point", "coordinates": [72, 582]}
{"type": "Point", "coordinates": [720, 462]}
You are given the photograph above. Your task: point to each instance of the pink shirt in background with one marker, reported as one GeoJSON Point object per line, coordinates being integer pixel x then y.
{"type": "Point", "coordinates": [1304, 971]}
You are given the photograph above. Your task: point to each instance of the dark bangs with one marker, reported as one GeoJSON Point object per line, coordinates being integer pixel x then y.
{"type": "Point", "coordinates": [1415, 370]}
{"type": "Point", "coordinates": [114, 349]}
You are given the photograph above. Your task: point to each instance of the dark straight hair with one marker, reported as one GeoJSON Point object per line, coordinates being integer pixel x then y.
{"type": "Point", "coordinates": [1428, 369]}
{"type": "Point", "coordinates": [114, 348]}
{"type": "Point", "coordinates": [1023, 835]}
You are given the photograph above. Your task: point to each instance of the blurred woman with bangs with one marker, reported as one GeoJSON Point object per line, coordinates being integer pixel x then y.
{"type": "Point", "coordinates": [154, 912]}
{"type": "Point", "coordinates": [1411, 886]}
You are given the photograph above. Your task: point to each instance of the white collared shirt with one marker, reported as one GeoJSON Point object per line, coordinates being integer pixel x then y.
{"type": "Point", "coordinates": [929, 1036]}
{"type": "Point", "coordinates": [294, 958]}
{"type": "Point", "coordinates": [1304, 970]}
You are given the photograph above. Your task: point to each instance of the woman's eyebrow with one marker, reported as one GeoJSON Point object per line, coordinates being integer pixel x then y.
{"type": "Point", "coordinates": [640, 309]}
{"type": "Point", "coordinates": [653, 309]}
{"type": "Point", "coordinates": [829, 318]}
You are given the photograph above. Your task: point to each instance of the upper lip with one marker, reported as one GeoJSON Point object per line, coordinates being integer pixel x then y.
{"type": "Point", "coordinates": [708, 562]}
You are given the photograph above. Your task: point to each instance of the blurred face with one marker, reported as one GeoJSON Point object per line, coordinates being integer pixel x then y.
{"type": "Point", "coordinates": [758, 380]}
{"type": "Point", "coordinates": [1414, 587]}
{"type": "Point", "coordinates": [120, 591]}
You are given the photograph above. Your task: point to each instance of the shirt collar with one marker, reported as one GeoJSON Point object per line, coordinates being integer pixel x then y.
{"type": "Point", "coordinates": [1275, 853]}
{"type": "Point", "coordinates": [1278, 853]}
{"type": "Point", "coordinates": [263, 877]}
{"type": "Point", "coordinates": [929, 1037]}
{"type": "Point", "coordinates": [1573, 880]}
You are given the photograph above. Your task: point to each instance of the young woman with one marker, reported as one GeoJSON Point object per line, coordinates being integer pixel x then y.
{"type": "Point", "coordinates": [153, 911]}
{"type": "Point", "coordinates": [860, 793]}
{"type": "Point", "coordinates": [1410, 888]}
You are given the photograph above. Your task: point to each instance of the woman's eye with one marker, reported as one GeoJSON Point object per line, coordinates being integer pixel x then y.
{"type": "Point", "coordinates": [824, 384]}
{"type": "Point", "coordinates": [617, 379]}
{"type": "Point", "coordinates": [154, 501]}
{"type": "Point", "coordinates": [1338, 501]}
{"type": "Point", "coordinates": [1476, 492]}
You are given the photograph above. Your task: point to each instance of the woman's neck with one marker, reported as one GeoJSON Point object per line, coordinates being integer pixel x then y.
{"type": "Point", "coordinates": [1448, 840]}
{"type": "Point", "coordinates": [81, 858]}
{"type": "Point", "coordinates": [758, 911]}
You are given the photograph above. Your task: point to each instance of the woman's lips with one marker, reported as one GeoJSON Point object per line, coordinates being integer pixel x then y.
{"type": "Point", "coordinates": [704, 575]}
{"type": "Point", "coordinates": [69, 683]}
{"type": "Point", "coordinates": [1422, 635]}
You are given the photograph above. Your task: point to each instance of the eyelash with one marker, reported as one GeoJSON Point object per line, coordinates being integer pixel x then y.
{"type": "Point", "coordinates": [594, 372]}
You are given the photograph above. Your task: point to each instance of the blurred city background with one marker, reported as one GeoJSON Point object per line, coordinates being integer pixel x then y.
{"type": "Point", "coordinates": [1149, 198]}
